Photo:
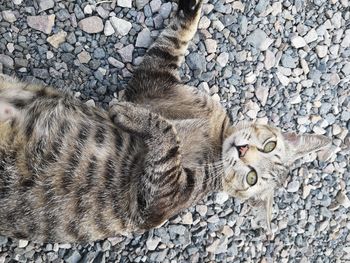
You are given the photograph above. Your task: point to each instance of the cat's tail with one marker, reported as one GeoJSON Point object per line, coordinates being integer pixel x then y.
{"type": "Point", "coordinates": [168, 51]}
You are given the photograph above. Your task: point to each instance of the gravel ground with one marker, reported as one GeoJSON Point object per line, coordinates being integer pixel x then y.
{"type": "Point", "coordinates": [284, 61]}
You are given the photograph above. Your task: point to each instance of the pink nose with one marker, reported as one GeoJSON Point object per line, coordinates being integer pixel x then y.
{"type": "Point", "coordinates": [243, 150]}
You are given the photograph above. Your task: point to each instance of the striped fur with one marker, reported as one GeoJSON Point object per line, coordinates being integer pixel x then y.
{"type": "Point", "coordinates": [71, 173]}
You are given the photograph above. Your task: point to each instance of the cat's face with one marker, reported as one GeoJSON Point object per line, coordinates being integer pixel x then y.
{"type": "Point", "coordinates": [256, 160]}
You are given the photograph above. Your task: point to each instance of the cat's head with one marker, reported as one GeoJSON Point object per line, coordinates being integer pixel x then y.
{"type": "Point", "coordinates": [257, 158]}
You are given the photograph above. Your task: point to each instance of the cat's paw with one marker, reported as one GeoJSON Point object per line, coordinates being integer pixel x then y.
{"type": "Point", "coordinates": [189, 7]}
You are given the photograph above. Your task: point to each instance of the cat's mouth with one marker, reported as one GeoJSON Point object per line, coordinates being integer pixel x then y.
{"type": "Point", "coordinates": [242, 150]}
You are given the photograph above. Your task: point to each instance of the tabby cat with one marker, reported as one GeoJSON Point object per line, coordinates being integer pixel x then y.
{"type": "Point", "coordinates": [69, 172]}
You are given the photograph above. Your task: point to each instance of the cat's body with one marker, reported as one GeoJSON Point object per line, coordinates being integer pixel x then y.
{"type": "Point", "coordinates": [73, 173]}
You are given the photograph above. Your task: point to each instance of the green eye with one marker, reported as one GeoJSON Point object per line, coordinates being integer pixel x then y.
{"type": "Point", "coordinates": [252, 178]}
{"type": "Point", "coordinates": [269, 147]}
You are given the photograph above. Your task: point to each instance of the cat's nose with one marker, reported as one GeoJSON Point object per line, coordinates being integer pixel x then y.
{"type": "Point", "coordinates": [242, 150]}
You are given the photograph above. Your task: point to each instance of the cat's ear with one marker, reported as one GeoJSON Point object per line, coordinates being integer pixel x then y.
{"type": "Point", "coordinates": [301, 145]}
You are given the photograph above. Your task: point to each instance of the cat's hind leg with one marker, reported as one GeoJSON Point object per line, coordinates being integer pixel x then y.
{"type": "Point", "coordinates": [7, 111]}
{"type": "Point", "coordinates": [159, 68]}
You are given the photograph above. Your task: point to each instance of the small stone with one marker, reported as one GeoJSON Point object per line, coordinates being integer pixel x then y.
{"type": "Point", "coordinates": [42, 23]}
{"type": "Point", "coordinates": [22, 243]}
{"type": "Point", "coordinates": [99, 53]}
{"type": "Point", "coordinates": [115, 63]}
{"type": "Point", "coordinates": [265, 44]}
{"type": "Point", "coordinates": [84, 57]}
{"type": "Point", "coordinates": [252, 109]}
{"type": "Point", "coordinates": [49, 55]}
{"type": "Point", "coordinates": [227, 231]}
{"type": "Point", "coordinates": [304, 66]}
{"type": "Point", "coordinates": [295, 99]}
{"type": "Point", "coordinates": [155, 5]}
{"type": "Point", "coordinates": [321, 51]}
{"type": "Point", "coordinates": [9, 16]}
{"type": "Point", "coordinates": [222, 59]}
{"type": "Point", "coordinates": [202, 209]}
{"type": "Point", "coordinates": [187, 219]}
{"type": "Point", "coordinates": [270, 60]}
{"type": "Point", "coordinates": [91, 25]}
{"type": "Point", "coordinates": [125, 3]}
{"type": "Point", "coordinates": [45, 4]}
{"type": "Point", "coordinates": [144, 38]}
{"type": "Point", "coordinates": [343, 199]}
{"type": "Point", "coordinates": [108, 29]}
{"type": "Point", "coordinates": [250, 78]}
{"type": "Point", "coordinates": [311, 36]}
{"type": "Point", "coordinates": [56, 39]}
{"type": "Point", "coordinates": [204, 22]}
{"type": "Point", "coordinates": [17, 2]}
{"type": "Point", "coordinates": [221, 198]}
{"type": "Point", "coordinates": [211, 45]}
{"type": "Point", "coordinates": [6, 61]}
{"type": "Point", "coordinates": [10, 47]}
{"type": "Point", "coordinates": [196, 61]}
{"type": "Point", "coordinates": [141, 3]}
{"type": "Point", "coordinates": [126, 53]}
{"type": "Point", "coordinates": [165, 10]}
{"type": "Point", "coordinates": [256, 38]}
{"type": "Point", "coordinates": [293, 187]}
{"type": "Point", "coordinates": [346, 69]}
{"type": "Point", "coordinates": [152, 243]}
{"type": "Point", "coordinates": [298, 42]}
{"type": "Point", "coordinates": [88, 10]}
{"type": "Point", "coordinates": [121, 26]}
{"type": "Point", "coordinates": [261, 93]}
{"type": "Point", "coordinates": [289, 61]}
{"type": "Point", "coordinates": [283, 79]}
{"type": "Point", "coordinates": [337, 19]}
{"type": "Point", "coordinates": [73, 256]}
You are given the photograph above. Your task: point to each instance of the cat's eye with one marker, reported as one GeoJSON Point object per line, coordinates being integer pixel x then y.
{"type": "Point", "coordinates": [269, 147]}
{"type": "Point", "coordinates": [252, 178]}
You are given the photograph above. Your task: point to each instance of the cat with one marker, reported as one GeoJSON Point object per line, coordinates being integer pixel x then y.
{"type": "Point", "coordinates": [73, 173]}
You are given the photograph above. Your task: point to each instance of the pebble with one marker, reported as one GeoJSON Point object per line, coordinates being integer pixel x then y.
{"type": "Point", "coordinates": [222, 59]}
{"type": "Point", "coordinates": [126, 53]}
{"type": "Point", "coordinates": [270, 60]}
{"type": "Point", "coordinates": [298, 42]}
{"type": "Point", "coordinates": [9, 16]}
{"type": "Point", "coordinates": [88, 10]}
{"type": "Point", "coordinates": [56, 39]}
{"type": "Point", "coordinates": [22, 243]}
{"type": "Point", "coordinates": [311, 36]}
{"type": "Point", "coordinates": [73, 256]}
{"type": "Point", "coordinates": [144, 38]}
{"type": "Point", "coordinates": [152, 243]}
{"type": "Point", "coordinates": [125, 3]}
{"type": "Point", "coordinates": [121, 26]}
{"type": "Point", "coordinates": [321, 51]}
{"type": "Point", "coordinates": [155, 5]}
{"type": "Point", "coordinates": [210, 45]}
{"type": "Point", "coordinates": [346, 69]}
{"type": "Point", "coordinates": [221, 198]}
{"type": "Point", "coordinates": [187, 219]}
{"type": "Point", "coordinates": [115, 63]}
{"type": "Point", "coordinates": [289, 62]}
{"type": "Point", "coordinates": [283, 79]}
{"type": "Point", "coordinates": [293, 186]}
{"type": "Point", "coordinates": [256, 38]}
{"type": "Point", "coordinates": [141, 3]}
{"type": "Point", "coordinates": [204, 22]}
{"type": "Point", "coordinates": [45, 4]}
{"type": "Point", "coordinates": [261, 93]}
{"type": "Point", "coordinates": [196, 61]}
{"type": "Point", "coordinates": [91, 25]}
{"type": "Point", "coordinates": [108, 29]}
{"type": "Point", "coordinates": [6, 61]}
{"type": "Point", "coordinates": [42, 23]}
{"type": "Point", "coordinates": [84, 57]}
